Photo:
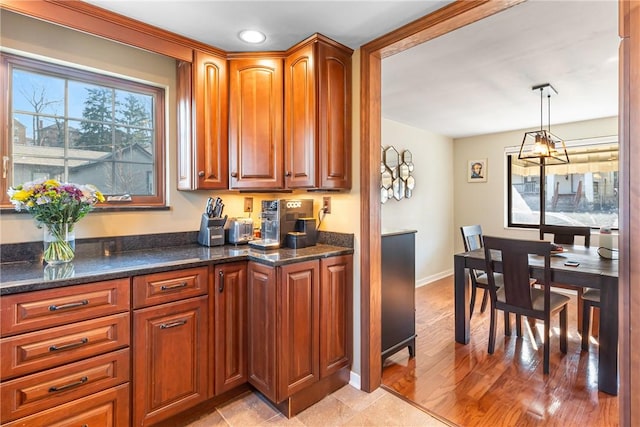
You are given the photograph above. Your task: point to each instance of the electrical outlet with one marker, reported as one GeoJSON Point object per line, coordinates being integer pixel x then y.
{"type": "Point", "coordinates": [326, 204]}
{"type": "Point", "coordinates": [248, 204]}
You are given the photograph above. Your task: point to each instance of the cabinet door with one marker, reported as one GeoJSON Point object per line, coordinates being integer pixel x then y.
{"type": "Point", "coordinates": [261, 327]}
{"type": "Point", "coordinates": [334, 116]}
{"type": "Point", "coordinates": [336, 313]}
{"type": "Point", "coordinates": [170, 359]}
{"type": "Point", "coordinates": [255, 123]}
{"type": "Point", "coordinates": [203, 123]}
{"type": "Point", "coordinates": [230, 325]}
{"type": "Point", "coordinates": [300, 135]}
{"type": "Point", "coordinates": [298, 300]}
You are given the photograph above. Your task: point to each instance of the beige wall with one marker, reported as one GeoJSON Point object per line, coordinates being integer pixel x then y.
{"type": "Point", "coordinates": [485, 203]}
{"type": "Point", "coordinates": [20, 34]}
{"type": "Point", "coordinates": [429, 210]}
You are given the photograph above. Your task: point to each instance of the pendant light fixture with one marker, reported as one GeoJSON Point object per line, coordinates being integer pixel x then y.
{"type": "Point", "coordinates": [541, 146]}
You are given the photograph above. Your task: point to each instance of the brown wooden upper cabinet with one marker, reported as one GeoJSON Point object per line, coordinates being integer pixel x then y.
{"type": "Point", "coordinates": [203, 123]}
{"type": "Point", "coordinates": [317, 125]}
{"type": "Point", "coordinates": [255, 122]}
{"type": "Point", "coordinates": [266, 120]}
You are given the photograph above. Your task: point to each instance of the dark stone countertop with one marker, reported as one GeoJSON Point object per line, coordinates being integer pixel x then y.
{"type": "Point", "coordinates": [16, 277]}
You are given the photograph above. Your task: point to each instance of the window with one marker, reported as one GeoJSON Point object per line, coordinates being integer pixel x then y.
{"type": "Point", "coordinates": [83, 127]}
{"type": "Point", "coordinates": [583, 192]}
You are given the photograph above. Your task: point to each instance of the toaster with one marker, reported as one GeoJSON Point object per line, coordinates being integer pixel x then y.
{"type": "Point", "coordinates": [239, 230]}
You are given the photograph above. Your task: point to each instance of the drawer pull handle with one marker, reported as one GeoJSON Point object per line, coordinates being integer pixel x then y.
{"type": "Point", "coordinates": [68, 346]}
{"type": "Point", "coordinates": [68, 306]}
{"type": "Point", "coordinates": [66, 386]}
{"type": "Point", "coordinates": [172, 325]}
{"type": "Point", "coordinates": [221, 288]}
{"type": "Point", "coordinates": [176, 286]}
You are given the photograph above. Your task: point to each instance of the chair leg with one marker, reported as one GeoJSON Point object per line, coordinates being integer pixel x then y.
{"type": "Point", "coordinates": [545, 362]}
{"type": "Point", "coordinates": [519, 325]}
{"type": "Point", "coordinates": [586, 319]}
{"type": "Point", "coordinates": [473, 300]}
{"type": "Point", "coordinates": [485, 300]}
{"type": "Point", "coordinates": [507, 323]}
{"type": "Point", "coordinates": [492, 330]}
{"type": "Point", "coordinates": [580, 313]}
{"type": "Point", "coordinates": [563, 330]}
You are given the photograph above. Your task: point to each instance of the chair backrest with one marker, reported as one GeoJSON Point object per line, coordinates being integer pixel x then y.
{"type": "Point", "coordinates": [511, 258]}
{"type": "Point", "coordinates": [472, 237]}
{"type": "Point", "coordinates": [565, 235]}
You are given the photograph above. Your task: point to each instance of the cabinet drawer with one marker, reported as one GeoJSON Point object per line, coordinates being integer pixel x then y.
{"type": "Point", "coordinates": [45, 349]}
{"type": "Point", "coordinates": [169, 286]}
{"type": "Point", "coordinates": [37, 310]}
{"type": "Point", "coordinates": [106, 408]}
{"type": "Point", "coordinates": [33, 393]}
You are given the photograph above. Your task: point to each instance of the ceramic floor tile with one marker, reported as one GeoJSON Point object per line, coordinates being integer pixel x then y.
{"type": "Point", "coordinates": [328, 412]}
{"type": "Point", "coordinates": [357, 399]}
{"type": "Point", "coordinates": [214, 419]}
{"type": "Point", "coordinates": [390, 410]}
{"type": "Point", "coordinates": [282, 421]}
{"type": "Point", "coordinates": [247, 410]}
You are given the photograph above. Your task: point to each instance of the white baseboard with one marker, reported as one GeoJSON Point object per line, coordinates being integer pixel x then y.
{"type": "Point", "coordinates": [354, 380]}
{"type": "Point", "coordinates": [433, 278]}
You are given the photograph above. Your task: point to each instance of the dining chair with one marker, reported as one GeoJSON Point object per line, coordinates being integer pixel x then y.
{"type": "Point", "coordinates": [566, 235]}
{"type": "Point", "coordinates": [472, 239]}
{"type": "Point", "coordinates": [590, 298]}
{"type": "Point", "coordinates": [511, 258]}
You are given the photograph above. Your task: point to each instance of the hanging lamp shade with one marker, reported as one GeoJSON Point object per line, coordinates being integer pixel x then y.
{"type": "Point", "coordinates": [542, 146]}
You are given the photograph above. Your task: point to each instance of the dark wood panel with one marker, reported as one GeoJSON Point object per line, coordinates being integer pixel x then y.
{"type": "Point", "coordinates": [170, 359]}
{"type": "Point", "coordinates": [34, 311]}
{"type": "Point", "coordinates": [169, 286]}
{"type": "Point", "coordinates": [300, 129]}
{"type": "Point", "coordinates": [298, 340]}
{"type": "Point", "coordinates": [105, 408]}
{"type": "Point", "coordinates": [35, 351]}
{"type": "Point", "coordinates": [47, 389]}
{"type": "Point", "coordinates": [255, 123]}
{"type": "Point", "coordinates": [334, 121]}
{"type": "Point", "coordinates": [261, 328]}
{"type": "Point", "coordinates": [629, 124]}
{"type": "Point", "coordinates": [336, 314]}
{"type": "Point", "coordinates": [230, 323]}
{"type": "Point", "coordinates": [211, 120]}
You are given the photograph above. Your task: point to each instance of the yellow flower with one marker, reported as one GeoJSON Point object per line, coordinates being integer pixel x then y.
{"type": "Point", "coordinates": [51, 183]}
{"type": "Point", "coordinates": [99, 196]}
{"type": "Point", "coordinates": [22, 195]}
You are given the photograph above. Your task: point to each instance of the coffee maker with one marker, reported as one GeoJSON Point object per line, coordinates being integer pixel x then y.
{"type": "Point", "coordinates": [280, 218]}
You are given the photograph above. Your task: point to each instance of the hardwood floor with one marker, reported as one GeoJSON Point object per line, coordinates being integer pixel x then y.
{"type": "Point", "coordinates": [466, 386]}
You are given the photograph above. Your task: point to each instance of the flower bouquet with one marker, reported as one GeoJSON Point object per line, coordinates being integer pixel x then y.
{"type": "Point", "coordinates": [57, 207]}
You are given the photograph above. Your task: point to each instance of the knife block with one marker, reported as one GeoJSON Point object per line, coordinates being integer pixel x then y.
{"type": "Point", "coordinates": [211, 231]}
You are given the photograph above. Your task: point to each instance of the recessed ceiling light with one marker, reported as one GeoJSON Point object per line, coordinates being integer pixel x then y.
{"type": "Point", "coordinates": [252, 36]}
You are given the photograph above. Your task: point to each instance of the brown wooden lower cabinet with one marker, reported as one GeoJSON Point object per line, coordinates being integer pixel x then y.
{"type": "Point", "coordinates": [230, 326]}
{"type": "Point", "coordinates": [170, 359]}
{"type": "Point", "coordinates": [299, 327]}
{"type": "Point", "coordinates": [106, 408]}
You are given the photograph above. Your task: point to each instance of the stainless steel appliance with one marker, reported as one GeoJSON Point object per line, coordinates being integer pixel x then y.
{"type": "Point", "coordinates": [278, 218]}
{"type": "Point", "coordinates": [239, 230]}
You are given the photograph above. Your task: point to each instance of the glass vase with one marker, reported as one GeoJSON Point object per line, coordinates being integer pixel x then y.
{"type": "Point", "coordinates": [59, 243]}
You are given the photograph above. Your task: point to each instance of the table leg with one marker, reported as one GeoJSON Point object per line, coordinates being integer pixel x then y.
{"type": "Point", "coordinates": [608, 339]}
{"type": "Point", "coordinates": [462, 296]}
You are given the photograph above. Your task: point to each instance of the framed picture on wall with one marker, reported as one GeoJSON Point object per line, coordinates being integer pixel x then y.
{"type": "Point", "coordinates": [477, 170]}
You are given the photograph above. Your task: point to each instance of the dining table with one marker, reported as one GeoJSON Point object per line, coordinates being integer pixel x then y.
{"type": "Point", "coordinates": [592, 271]}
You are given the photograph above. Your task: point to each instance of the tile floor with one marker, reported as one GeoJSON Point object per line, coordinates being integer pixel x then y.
{"type": "Point", "coordinates": [346, 407]}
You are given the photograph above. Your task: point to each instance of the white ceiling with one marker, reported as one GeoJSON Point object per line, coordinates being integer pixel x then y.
{"type": "Point", "coordinates": [475, 80]}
